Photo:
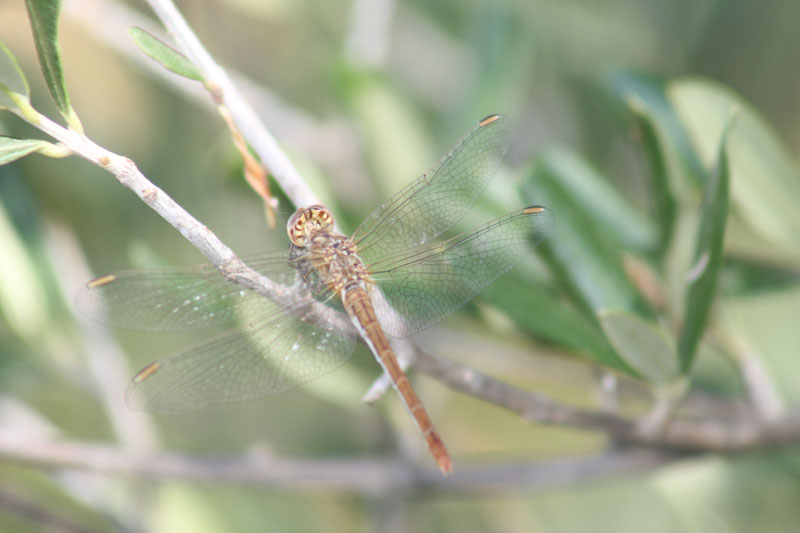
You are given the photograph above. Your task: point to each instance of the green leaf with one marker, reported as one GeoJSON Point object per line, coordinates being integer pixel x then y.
{"type": "Point", "coordinates": [648, 95]}
{"type": "Point", "coordinates": [708, 254]}
{"type": "Point", "coordinates": [643, 345]}
{"type": "Point", "coordinates": [12, 80]}
{"type": "Point", "coordinates": [164, 54]}
{"type": "Point", "coordinates": [584, 257]}
{"type": "Point", "coordinates": [593, 194]}
{"type": "Point", "coordinates": [44, 21]}
{"type": "Point", "coordinates": [662, 197]}
{"type": "Point", "coordinates": [535, 310]}
{"type": "Point", "coordinates": [765, 183]}
{"type": "Point", "coordinates": [12, 149]}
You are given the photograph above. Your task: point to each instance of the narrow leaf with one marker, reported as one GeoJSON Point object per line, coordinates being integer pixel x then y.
{"type": "Point", "coordinates": [44, 21]}
{"type": "Point", "coordinates": [708, 254]}
{"type": "Point", "coordinates": [644, 346]}
{"type": "Point", "coordinates": [541, 314]}
{"type": "Point", "coordinates": [584, 257]}
{"type": "Point", "coordinates": [12, 149]}
{"type": "Point", "coordinates": [681, 161]}
{"type": "Point", "coordinates": [164, 54]}
{"type": "Point", "coordinates": [662, 197]}
{"type": "Point", "coordinates": [12, 80]}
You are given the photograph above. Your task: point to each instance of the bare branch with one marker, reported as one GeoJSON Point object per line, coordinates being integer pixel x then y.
{"type": "Point", "coordinates": [222, 257]}
{"type": "Point", "coordinates": [737, 434]}
{"type": "Point", "coordinates": [369, 476]}
{"type": "Point", "coordinates": [531, 406]}
{"type": "Point", "coordinates": [129, 176]}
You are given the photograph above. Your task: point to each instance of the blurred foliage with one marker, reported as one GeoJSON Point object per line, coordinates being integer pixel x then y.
{"type": "Point", "coordinates": [619, 109]}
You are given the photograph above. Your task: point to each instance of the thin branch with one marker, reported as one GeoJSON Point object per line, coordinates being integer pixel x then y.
{"type": "Point", "coordinates": [760, 386]}
{"type": "Point", "coordinates": [226, 93]}
{"type": "Point", "coordinates": [202, 238]}
{"type": "Point", "coordinates": [531, 406]}
{"type": "Point", "coordinates": [130, 177]}
{"type": "Point", "coordinates": [761, 389]}
{"type": "Point", "coordinates": [739, 434]}
{"type": "Point", "coordinates": [372, 477]}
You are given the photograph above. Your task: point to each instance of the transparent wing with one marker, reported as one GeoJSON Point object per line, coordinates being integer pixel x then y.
{"type": "Point", "coordinates": [434, 202]}
{"type": "Point", "coordinates": [423, 285]}
{"type": "Point", "coordinates": [176, 298]}
{"type": "Point", "coordinates": [274, 350]}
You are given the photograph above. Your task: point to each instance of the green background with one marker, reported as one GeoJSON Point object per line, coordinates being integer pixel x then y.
{"type": "Point", "coordinates": [359, 127]}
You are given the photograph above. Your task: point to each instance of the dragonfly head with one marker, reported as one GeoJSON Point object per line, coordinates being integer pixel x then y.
{"type": "Point", "coordinates": [306, 221]}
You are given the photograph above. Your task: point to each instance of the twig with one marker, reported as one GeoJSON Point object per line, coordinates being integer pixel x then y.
{"type": "Point", "coordinates": [737, 434]}
{"type": "Point", "coordinates": [195, 232]}
{"type": "Point", "coordinates": [130, 177]}
{"type": "Point", "coordinates": [531, 406]}
{"type": "Point", "coordinates": [225, 92]}
{"type": "Point", "coordinates": [760, 387]}
{"type": "Point", "coordinates": [368, 476]}
{"type": "Point", "coordinates": [222, 257]}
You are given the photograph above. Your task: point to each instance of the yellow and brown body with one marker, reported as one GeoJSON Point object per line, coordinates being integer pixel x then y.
{"type": "Point", "coordinates": [362, 313]}
{"type": "Point", "coordinates": [334, 259]}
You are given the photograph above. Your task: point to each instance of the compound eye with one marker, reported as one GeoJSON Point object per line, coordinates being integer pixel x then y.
{"type": "Point", "coordinates": [315, 217]}
{"type": "Point", "coordinates": [321, 217]}
{"type": "Point", "coordinates": [296, 227]}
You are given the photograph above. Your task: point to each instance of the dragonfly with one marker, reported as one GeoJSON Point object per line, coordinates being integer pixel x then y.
{"type": "Point", "coordinates": [391, 277]}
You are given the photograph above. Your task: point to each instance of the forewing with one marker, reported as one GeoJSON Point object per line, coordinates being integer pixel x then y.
{"type": "Point", "coordinates": [176, 298]}
{"type": "Point", "coordinates": [273, 351]}
{"type": "Point", "coordinates": [434, 202]}
{"type": "Point", "coordinates": [426, 284]}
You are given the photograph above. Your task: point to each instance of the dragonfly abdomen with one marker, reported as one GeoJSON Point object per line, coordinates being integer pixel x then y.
{"type": "Point", "coordinates": [362, 313]}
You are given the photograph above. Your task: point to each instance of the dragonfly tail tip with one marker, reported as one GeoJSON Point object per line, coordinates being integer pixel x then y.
{"type": "Point", "coordinates": [445, 466]}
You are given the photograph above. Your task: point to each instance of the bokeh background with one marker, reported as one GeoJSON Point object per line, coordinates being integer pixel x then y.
{"type": "Point", "coordinates": [365, 96]}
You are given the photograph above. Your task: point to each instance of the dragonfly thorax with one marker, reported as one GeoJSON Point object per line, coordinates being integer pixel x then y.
{"type": "Point", "coordinates": [306, 221]}
{"type": "Point", "coordinates": [335, 259]}
{"type": "Point", "coordinates": [319, 249]}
